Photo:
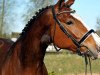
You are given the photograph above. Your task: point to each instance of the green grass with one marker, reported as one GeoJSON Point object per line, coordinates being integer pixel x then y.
{"type": "Point", "coordinates": [65, 64]}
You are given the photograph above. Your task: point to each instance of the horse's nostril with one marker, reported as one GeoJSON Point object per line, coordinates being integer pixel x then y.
{"type": "Point", "coordinates": [99, 55]}
{"type": "Point", "coordinates": [98, 49]}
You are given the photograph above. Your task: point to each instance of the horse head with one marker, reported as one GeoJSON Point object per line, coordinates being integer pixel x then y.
{"type": "Point", "coordinates": [56, 24]}
{"type": "Point", "coordinates": [68, 31]}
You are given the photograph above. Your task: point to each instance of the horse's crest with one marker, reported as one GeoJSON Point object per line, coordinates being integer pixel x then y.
{"type": "Point", "coordinates": [28, 25]}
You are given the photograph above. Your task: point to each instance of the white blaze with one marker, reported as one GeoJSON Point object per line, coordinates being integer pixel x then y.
{"type": "Point", "coordinates": [95, 36]}
{"type": "Point", "coordinates": [80, 19]}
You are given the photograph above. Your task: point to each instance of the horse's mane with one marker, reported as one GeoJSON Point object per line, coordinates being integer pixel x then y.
{"type": "Point", "coordinates": [32, 20]}
{"type": "Point", "coordinates": [24, 31]}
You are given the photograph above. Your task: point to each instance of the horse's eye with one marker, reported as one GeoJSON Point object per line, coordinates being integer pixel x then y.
{"type": "Point", "coordinates": [69, 22]}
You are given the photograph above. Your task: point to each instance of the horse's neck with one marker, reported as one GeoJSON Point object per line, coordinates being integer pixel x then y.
{"type": "Point", "coordinates": [32, 48]}
{"type": "Point", "coordinates": [29, 52]}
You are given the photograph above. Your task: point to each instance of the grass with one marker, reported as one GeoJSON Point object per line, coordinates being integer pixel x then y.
{"type": "Point", "coordinates": [66, 64]}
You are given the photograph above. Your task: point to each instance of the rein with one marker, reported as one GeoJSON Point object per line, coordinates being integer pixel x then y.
{"type": "Point", "coordinates": [77, 43]}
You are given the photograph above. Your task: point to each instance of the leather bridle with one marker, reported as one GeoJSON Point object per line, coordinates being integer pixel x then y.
{"type": "Point", "coordinates": [77, 43]}
{"type": "Point", "coordinates": [67, 33]}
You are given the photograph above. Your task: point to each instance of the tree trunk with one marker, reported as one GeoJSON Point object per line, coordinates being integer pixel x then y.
{"type": "Point", "coordinates": [2, 18]}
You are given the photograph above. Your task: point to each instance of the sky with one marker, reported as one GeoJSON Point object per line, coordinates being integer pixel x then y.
{"type": "Point", "coordinates": [88, 10]}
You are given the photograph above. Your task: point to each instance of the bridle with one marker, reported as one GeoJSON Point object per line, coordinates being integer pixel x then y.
{"type": "Point", "coordinates": [77, 43]}
{"type": "Point", "coordinates": [67, 33]}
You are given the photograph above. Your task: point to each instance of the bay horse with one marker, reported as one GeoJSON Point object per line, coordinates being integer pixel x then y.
{"type": "Point", "coordinates": [5, 44]}
{"type": "Point", "coordinates": [54, 24]}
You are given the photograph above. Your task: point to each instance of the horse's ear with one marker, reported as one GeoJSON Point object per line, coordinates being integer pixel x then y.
{"type": "Point", "coordinates": [60, 3]}
{"type": "Point", "coordinates": [69, 3]}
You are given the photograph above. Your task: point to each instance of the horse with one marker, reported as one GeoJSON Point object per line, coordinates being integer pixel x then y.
{"type": "Point", "coordinates": [55, 24]}
{"type": "Point", "coordinates": [5, 44]}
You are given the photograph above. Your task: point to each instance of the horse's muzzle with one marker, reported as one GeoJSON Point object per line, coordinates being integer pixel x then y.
{"type": "Point", "coordinates": [93, 54]}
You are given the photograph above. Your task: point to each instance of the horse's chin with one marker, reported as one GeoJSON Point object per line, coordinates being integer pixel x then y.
{"type": "Point", "coordinates": [94, 56]}
{"type": "Point", "coordinates": [98, 55]}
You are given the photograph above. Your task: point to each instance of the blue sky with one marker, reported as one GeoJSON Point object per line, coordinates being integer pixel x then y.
{"type": "Point", "coordinates": [88, 10]}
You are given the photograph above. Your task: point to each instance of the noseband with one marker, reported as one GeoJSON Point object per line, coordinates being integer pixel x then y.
{"type": "Point", "coordinates": [67, 33]}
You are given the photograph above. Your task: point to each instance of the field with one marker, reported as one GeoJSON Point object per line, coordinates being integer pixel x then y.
{"type": "Point", "coordinates": [68, 64]}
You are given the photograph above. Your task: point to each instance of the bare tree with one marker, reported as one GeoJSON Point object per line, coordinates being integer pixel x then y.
{"type": "Point", "coordinates": [98, 26]}
{"type": "Point", "coordinates": [98, 21]}
{"type": "Point", "coordinates": [6, 17]}
{"type": "Point", "coordinates": [42, 3]}
{"type": "Point", "coordinates": [34, 6]}
{"type": "Point", "coordinates": [2, 17]}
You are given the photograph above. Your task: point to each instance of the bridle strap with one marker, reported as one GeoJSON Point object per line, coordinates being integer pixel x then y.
{"type": "Point", "coordinates": [87, 61]}
{"type": "Point", "coordinates": [63, 29]}
{"type": "Point", "coordinates": [86, 35]}
{"type": "Point", "coordinates": [72, 11]}
{"type": "Point", "coordinates": [77, 43]}
{"type": "Point", "coordinates": [53, 39]}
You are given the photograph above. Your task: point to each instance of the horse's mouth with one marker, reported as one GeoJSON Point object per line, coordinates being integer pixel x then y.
{"type": "Point", "coordinates": [99, 55]}
{"type": "Point", "coordinates": [93, 56]}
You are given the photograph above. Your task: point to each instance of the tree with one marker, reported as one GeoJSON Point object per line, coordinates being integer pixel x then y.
{"type": "Point", "coordinates": [98, 26]}
{"type": "Point", "coordinates": [98, 21]}
{"type": "Point", "coordinates": [2, 17]}
{"type": "Point", "coordinates": [34, 6]}
{"type": "Point", "coordinates": [6, 16]}
{"type": "Point", "coordinates": [14, 14]}
{"type": "Point", "coordinates": [42, 3]}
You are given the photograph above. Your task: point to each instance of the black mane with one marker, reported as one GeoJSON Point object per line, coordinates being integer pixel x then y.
{"type": "Point", "coordinates": [28, 25]}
